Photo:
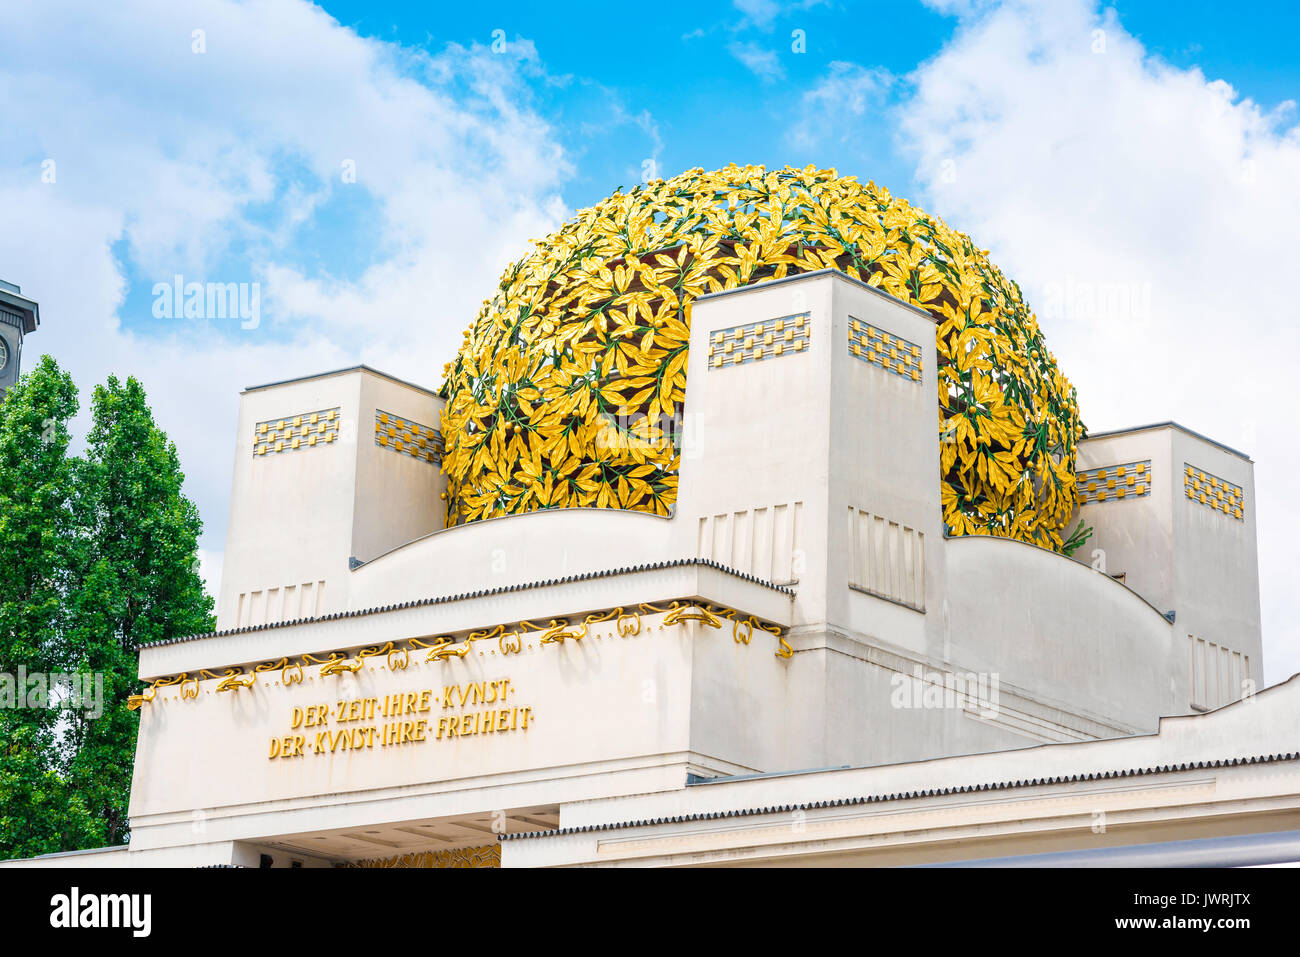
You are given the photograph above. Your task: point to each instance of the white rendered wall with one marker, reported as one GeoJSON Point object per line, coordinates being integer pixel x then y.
{"type": "Point", "coordinates": [1187, 786]}
{"type": "Point", "coordinates": [1216, 558]}
{"type": "Point", "coordinates": [298, 515]}
{"type": "Point", "coordinates": [398, 496]}
{"type": "Point", "coordinates": [1184, 557]}
{"type": "Point", "coordinates": [853, 450]}
{"type": "Point", "coordinates": [610, 713]}
{"type": "Point", "coordinates": [290, 513]}
{"type": "Point", "coordinates": [810, 467]}
{"type": "Point", "coordinates": [514, 550]}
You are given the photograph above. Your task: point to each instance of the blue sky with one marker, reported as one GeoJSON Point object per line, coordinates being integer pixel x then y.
{"type": "Point", "coordinates": [688, 73]}
{"type": "Point", "coordinates": [682, 70]}
{"type": "Point", "coordinates": [1134, 166]}
{"type": "Point", "coordinates": [713, 88]}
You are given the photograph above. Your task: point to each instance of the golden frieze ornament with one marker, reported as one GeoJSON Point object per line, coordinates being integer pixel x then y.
{"type": "Point", "coordinates": [234, 682]}
{"type": "Point", "coordinates": [509, 637]}
{"type": "Point", "coordinates": [446, 649]}
{"type": "Point", "coordinates": [556, 633]}
{"type": "Point", "coordinates": [692, 613]}
{"type": "Point", "coordinates": [134, 702]}
{"type": "Point", "coordinates": [339, 666]}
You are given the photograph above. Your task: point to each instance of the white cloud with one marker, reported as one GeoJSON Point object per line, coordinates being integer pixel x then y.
{"type": "Point", "coordinates": [606, 113]}
{"type": "Point", "coordinates": [761, 62]}
{"type": "Point", "coordinates": [763, 13]}
{"type": "Point", "coordinates": [1149, 214]}
{"type": "Point", "coordinates": [193, 161]}
{"type": "Point", "coordinates": [843, 94]}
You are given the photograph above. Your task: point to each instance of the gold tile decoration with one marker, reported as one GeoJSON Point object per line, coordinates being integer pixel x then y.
{"type": "Point", "coordinates": [485, 856]}
{"type": "Point", "coordinates": [305, 430]}
{"type": "Point", "coordinates": [892, 353]}
{"type": "Point", "coordinates": [1114, 483]}
{"type": "Point", "coordinates": [1213, 492]}
{"type": "Point", "coordinates": [756, 341]}
{"type": "Point", "coordinates": [407, 437]}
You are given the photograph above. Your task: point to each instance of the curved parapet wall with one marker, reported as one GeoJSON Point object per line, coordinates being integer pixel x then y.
{"type": "Point", "coordinates": [512, 550]}
{"type": "Point", "coordinates": [1045, 622]}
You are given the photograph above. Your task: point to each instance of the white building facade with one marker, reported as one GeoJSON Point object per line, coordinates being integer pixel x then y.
{"type": "Point", "coordinates": [796, 667]}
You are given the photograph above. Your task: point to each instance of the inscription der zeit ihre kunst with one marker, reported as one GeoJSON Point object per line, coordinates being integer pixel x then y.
{"type": "Point", "coordinates": [473, 709]}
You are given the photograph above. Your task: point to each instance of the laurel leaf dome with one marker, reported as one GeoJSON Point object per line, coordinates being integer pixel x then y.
{"type": "Point", "coordinates": [559, 393]}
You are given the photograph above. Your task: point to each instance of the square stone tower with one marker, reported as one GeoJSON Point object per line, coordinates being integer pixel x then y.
{"type": "Point", "coordinates": [1173, 513]}
{"type": "Point", "coordinates": [810, 452]}
{"type": "Point", "coordinates": [330, 470]}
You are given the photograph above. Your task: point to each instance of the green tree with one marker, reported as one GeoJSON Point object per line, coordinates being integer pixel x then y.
{"type": "Point", "coordinates": [140, 583]}
{"type": "Point", "coordinates": [41, 549]}
{"type": "Point", "coordinates": [40, 813]}
{"type": "Point", "coordinates": [97, 556]}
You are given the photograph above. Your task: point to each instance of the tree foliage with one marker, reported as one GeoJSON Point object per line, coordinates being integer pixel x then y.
{"type": "Point", "coordinates": [97, 555]}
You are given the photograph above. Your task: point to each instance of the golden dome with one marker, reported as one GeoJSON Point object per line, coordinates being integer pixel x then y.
{"type": "Point", "coordinates": [558, 394]}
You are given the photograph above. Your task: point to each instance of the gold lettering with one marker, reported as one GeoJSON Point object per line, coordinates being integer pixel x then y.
{"type": "Point", "coordinates": [471, 696]}
{"type": "Point", "coordinates": [472, 693]}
